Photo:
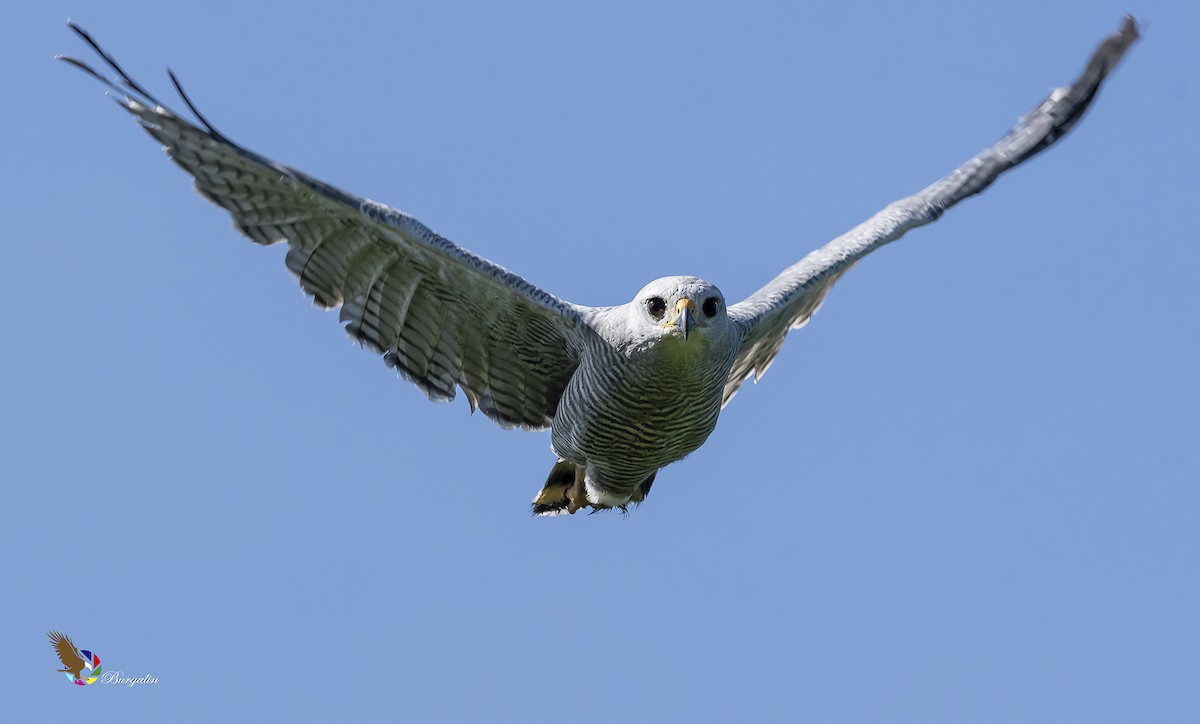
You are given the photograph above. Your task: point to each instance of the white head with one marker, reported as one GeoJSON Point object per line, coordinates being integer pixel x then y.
{"type": "Point", "coordinates": [687, 310]}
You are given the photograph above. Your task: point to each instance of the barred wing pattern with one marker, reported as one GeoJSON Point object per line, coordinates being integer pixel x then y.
{"type": "Point", "coordinates": [442, 316]}
{"type": "Point", "coordinates": [788, 301]}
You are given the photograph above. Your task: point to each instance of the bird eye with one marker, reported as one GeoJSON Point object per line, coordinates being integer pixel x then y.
{"type": "Point", "coordinates": [710, 307]}
{"type": "Point", "coordinates": [656, 306]}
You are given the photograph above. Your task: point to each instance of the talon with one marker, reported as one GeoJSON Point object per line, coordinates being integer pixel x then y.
{"type": "Point", "coordinates": [577, 493]}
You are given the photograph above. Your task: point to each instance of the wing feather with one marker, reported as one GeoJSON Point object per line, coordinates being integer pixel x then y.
{"type": "Point", "coordinates": [443, 317]}
{"type": "Point", "coordinates": [790, 299]}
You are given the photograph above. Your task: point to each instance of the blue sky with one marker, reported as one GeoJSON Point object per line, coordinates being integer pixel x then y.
{"type": "Point", "coordinates": [966, 492]}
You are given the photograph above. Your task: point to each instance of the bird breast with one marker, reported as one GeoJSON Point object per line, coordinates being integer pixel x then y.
{"type": "Point", "coordinates": [630, 414]}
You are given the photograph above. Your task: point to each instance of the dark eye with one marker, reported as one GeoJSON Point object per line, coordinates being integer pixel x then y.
{"type": "Point", "coordinates": [656, 306]}
{"type": "Point", "coordinates": [711, 305]}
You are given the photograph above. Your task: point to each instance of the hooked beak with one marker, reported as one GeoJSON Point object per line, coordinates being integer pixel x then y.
{"type": "Point", "coordinates": [683, 316]}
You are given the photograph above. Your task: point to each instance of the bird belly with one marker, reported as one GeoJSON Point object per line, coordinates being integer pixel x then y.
{"type": "Point", "coordinates": [623, 426]}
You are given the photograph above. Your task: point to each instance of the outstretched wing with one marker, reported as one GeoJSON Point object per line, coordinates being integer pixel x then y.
{"type": "Point", "coordinates": [790, 299]}
{"type": "Point", "coordinates": [442, 316]}
{"type": "Point", "coordinates": [67, 653]}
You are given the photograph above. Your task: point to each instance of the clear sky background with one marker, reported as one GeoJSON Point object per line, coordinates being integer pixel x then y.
{"type": "Point", "coordinates": [968, 491]}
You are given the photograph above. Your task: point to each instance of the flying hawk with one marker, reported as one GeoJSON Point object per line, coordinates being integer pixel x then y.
{"type": "Point", "coordinates": [624, 389]}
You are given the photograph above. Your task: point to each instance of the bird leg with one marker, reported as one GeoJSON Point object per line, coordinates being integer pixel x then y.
{"type": "Point", "coordinates": [577, 493]}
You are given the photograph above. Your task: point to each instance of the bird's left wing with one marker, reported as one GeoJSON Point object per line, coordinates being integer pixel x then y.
{"type": "Point", "coordinates": [442, 316]}
{"type": "Point", "coordinates": [790, 299]}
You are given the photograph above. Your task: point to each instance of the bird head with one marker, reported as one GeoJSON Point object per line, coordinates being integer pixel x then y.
{"type": "Point", "coordinates": [686, 309]}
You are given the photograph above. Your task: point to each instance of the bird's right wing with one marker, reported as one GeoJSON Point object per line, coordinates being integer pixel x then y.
{"type": "Point", "coordinates": [442, 316]}
{"type": "Point", "coordinates": [67, 653]}
{"type": "Point", "coordinates": [790, 299]}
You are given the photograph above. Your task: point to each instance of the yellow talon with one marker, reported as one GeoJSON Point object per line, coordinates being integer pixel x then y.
{"type": "Point", "coordinates": [577, 493]}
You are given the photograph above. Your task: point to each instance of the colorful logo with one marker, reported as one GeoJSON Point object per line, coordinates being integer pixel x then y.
{"type": "Point", "coordinates": [83, 667]}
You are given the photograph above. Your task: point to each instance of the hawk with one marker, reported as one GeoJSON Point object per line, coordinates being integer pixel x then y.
{"type": "Point", "coordinates": [624, 390]}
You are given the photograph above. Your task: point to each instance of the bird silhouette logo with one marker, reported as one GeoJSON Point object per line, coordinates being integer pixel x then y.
{"type": "Point", "coordinates": [82, 667]}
